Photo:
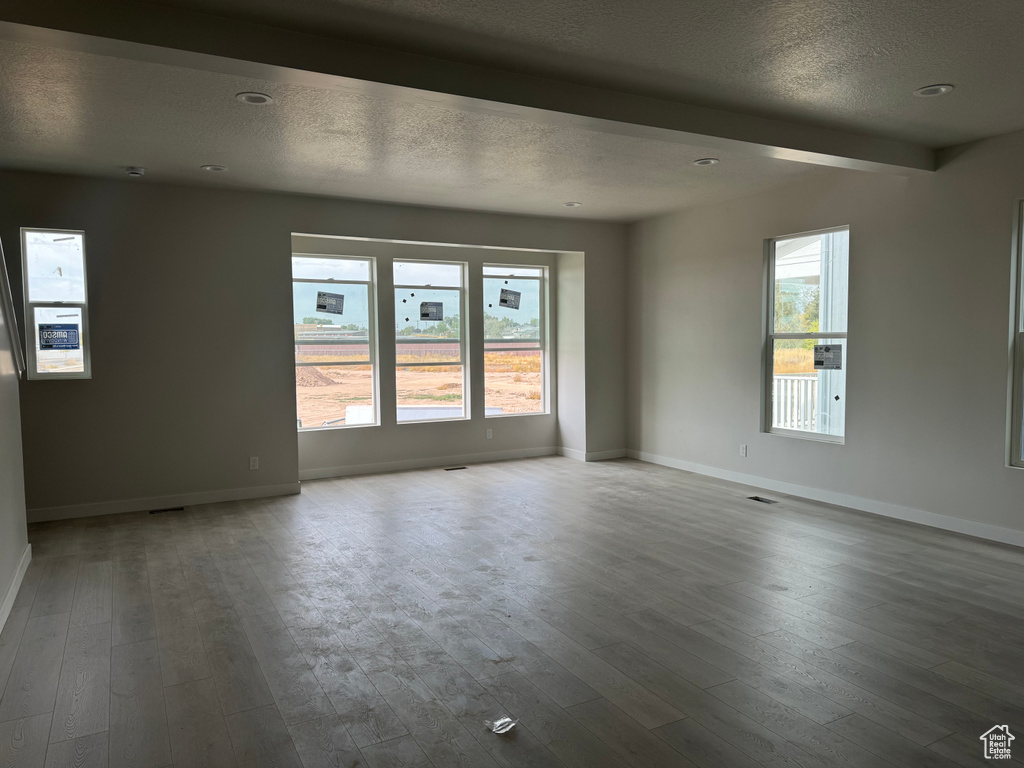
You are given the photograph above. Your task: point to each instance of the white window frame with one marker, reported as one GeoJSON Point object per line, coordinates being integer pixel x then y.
{"type": "Point", "coordinates": [32, 371]}
{"type": "Point", "coordinates": [463, 335]}
{"type": "Point", "coordinates": [769, 336]}
{"type": "Point", "coordinates": [1016, 399]}
{"type": "Point", "coordinates": [371, 307]}
{"type": "Point", "coordinates": [542, 279]}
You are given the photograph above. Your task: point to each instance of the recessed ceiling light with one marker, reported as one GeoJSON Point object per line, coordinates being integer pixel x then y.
{"type": "Point", "coordinates": [134, 171]}
{"type": "Point", "coordinates": [934, 90]}
{"type": "Point", "coordinates": [573, 204]}
{"type": "Point", "coordinates": [706, 161]}
{"type": "Point", "coordinates": [252, 97]}
{"type": "Point", "coordinates": [214, 168]}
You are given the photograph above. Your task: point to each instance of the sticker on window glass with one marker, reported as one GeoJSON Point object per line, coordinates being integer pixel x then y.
{"type": "Point", "coordinates": [62, 336]}
{"type": "Point", "coordinates": [431, 310]}
{"type": "Point", "coordinates": [828, 357]}
{"type": "Point", "coordinates": [330, 302]}
{"type": "Point", "coordinates": [509, 299]}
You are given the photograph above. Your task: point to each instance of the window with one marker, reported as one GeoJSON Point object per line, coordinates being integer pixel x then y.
{"type": "Point", "coordinates": [430, 340]}
{"type": "Point", "coordinates": [514, 340]}
{"type": "Point", "coordinates": [56, 304]}
{"type": "Point", "coordinates": [806, 346]}
{"type": "Point", "coordinates": [335, 341]}
{"type": "Point", "coordinates": [1017, 412]}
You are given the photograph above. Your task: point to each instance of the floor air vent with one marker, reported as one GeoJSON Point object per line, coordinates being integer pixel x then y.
{"type": "Point", "coordinates": [762, 500]}
{"type": "Point", "coordinates": [169, 509]}
{"type": "Point", "coordinates": [452, 469]}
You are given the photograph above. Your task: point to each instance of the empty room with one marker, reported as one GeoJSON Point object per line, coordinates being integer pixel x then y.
{"type": "Point", "coordinates": [470, 383]}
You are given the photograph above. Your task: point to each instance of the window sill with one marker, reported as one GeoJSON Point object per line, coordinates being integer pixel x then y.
{"type": "Point", "coordinates": [812, 436]}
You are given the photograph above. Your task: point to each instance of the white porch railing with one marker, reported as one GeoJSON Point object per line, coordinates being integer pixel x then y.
{"type": "Point", "coordinates": [794, 398]}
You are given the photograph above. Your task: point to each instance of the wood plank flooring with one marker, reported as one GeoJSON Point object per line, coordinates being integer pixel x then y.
{"type": "Point", "coordinates": [627, 615]}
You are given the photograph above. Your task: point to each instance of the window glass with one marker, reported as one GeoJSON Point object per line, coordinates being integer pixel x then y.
{"type": "Point", "coordinates": [807, 341]}
{"type": "Point", "coordinates": [425, 273]}
{"type": "Point", "coordinates": [806, 398]}
{"type": "Point", "coordinates": [55, 266]}
{"type": "Point", "coordinates": [429, 341]}
{"type": "Point", "coordinates": [59, 340]}
{"type": "Point", "coordinates": [811, 279]}
{"type": "Point", "coordinates": [326, 268]}
{"type": "Point", "coordinates": [514, 354]}
{"type": "Point", "coordinates": [335, 342]}
{"type": "Point", "coordinates": [502, 270]}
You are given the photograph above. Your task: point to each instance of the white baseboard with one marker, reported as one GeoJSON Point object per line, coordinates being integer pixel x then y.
{"type": "Point", "coordinates": [43, 514]}
{"type": "Point", "coordinates": [12, 590]}
{"type": "Point", "coordinates": [896, 511]}
{"type": "Point", "coordinates": [572, 453]}
{"type": "Point", "coordinates": [423, 463]}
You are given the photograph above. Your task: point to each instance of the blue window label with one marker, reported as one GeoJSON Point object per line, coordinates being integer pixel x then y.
{"type": "Point", "coordinates": [63, 336]}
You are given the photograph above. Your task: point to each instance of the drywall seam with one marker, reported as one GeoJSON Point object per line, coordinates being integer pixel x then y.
{"type": "Point", "coordinates": [885, 509]}
{"type": "Point", "coordinates": [15, 585]}
{"type": "Point", "coordinates": [320, 473]}
{"type": "Point", "coordinates": [118, 506]}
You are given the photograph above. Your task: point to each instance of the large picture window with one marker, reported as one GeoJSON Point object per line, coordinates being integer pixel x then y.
{"type": "Point", "coordinates": [56, 304]}
{"type": "Point", "coordinates": [514, 340]}
{"type": "Point", "coordinates": [335, 341]}
{"type": "Point", "coordinates": [806, 344]}
{"type": "Point", "coordinates": [430, 341]}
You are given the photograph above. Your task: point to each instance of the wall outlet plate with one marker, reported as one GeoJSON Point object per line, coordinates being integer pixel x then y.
{"type": "Point", "coordinates": [254, 462]}
{"type": "Point", "coordinates": [490, 433]}
{"type": "Point", "coordinates": [743, 449]}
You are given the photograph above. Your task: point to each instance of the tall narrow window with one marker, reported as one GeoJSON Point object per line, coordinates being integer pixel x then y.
{"type": "Point", "coordinates": [514, 340]}
{"type": "Point", "coordinates": [56, 304]}
{"type": "Point", "coordinates": [807, 335]}
{"type": "Point", "coordinates": [430, 339]}
{"type": "Point", "coordinates": [335, 341]}
{"type": "Point", "coordinates": [1017, 414]}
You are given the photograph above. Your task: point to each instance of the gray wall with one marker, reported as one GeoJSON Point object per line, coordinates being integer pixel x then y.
{"type": "Point", "coordinates": [930, 288]}
{"type": "Point", "coordinates": [13, 535]}
{"type": "Point", "coordinates": [182, 395]}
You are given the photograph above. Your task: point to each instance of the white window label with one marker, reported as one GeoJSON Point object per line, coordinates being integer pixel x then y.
{"type": "Point", "coordinates": [828, 357]}
{"type": "Point", "coordinates": [431, 310]}
{"type": "Point", "coordinates": [509, 299]}
{"type": "Point", "coordinates": [330, 302]}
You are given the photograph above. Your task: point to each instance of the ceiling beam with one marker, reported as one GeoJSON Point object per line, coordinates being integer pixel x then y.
{"type": "Point", "coordinates": [173, 36]}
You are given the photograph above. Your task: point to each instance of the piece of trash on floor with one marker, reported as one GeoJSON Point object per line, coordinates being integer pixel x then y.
{"type": "Point", "coordinates": [503, 725]}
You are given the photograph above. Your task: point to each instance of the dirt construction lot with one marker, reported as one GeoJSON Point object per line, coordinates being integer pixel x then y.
{"type": "Point", "coordinates": [325, 392]}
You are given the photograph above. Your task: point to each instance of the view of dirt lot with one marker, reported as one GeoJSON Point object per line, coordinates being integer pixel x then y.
{"type": "Point", "coordinates": [512, 383]}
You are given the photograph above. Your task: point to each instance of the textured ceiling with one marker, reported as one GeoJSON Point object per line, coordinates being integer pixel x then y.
{"type": "Point", "coordinates": [841, 63]}
{"type": "Point", "coordinates": [84, 113]}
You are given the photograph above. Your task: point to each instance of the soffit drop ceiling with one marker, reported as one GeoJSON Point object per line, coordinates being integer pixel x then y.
{"type": "Point", "coordinates": [849, 64]}
{"type": "Point", "coordinates": [70, 111]}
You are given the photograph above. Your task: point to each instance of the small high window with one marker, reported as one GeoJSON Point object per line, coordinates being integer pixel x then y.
{"type": "Point", "coordinates": [806, 344]}
{"type": "Point", "coordinates": [56, 304]}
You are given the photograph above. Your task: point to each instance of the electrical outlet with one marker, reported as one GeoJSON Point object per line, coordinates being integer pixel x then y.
{"type": "Point", "coordinates": [490, 433]}
{"type": "Point", "coordinates": [743, 449]}
{"type": "Point", "coordinates": [254, 462]}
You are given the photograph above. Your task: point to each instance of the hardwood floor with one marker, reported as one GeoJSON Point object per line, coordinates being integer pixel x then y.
{"type": "Point", "coordinates": [626, 614]}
